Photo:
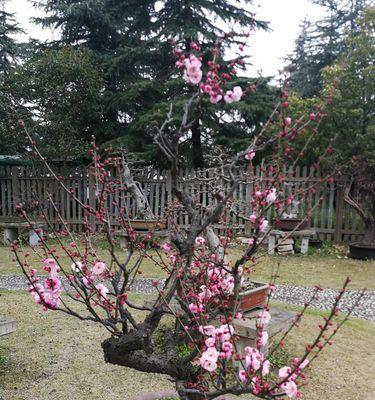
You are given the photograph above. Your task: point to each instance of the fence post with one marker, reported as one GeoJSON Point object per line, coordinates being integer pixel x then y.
{"type": "Point", "coordinates": [339, 211]}
{"type": "Point", "coordinates": [92, 200]}
{"type": "Point", "coordinates": [168, 187]}
{"type": "Point", "coordinates": [15, 187]}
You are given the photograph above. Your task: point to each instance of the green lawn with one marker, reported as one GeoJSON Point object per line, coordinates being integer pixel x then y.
{"type": "Point", "coordinates": [51, 355]}
{"type": "Point", "coordinates": [328, 267]}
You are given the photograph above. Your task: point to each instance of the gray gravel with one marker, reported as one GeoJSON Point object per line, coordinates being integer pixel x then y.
{"type": "Point", "coordinates": [291, 294]}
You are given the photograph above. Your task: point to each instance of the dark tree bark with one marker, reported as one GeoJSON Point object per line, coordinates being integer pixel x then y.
{"type": "Point", "coordinates": [197, 156]}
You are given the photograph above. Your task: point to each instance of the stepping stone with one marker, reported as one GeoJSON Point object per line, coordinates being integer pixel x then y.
{"type": "Point", "coordinates": [7, 325]}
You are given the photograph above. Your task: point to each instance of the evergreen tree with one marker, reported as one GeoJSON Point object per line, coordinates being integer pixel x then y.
{"type": "Point", "coordinates": [10, 110]}
{"type": "Point", "coordinates": [131, 40]}
{"type": "Point", "coordinates": [320, 43]}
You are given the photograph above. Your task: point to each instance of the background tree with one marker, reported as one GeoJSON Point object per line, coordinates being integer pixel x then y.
{"type": "Point", "coordinates": [10, 111]}
{"type": "Point", "coordinates": [321, 42]}
{"type": "Point", "coordinates": [130, 39]}
{"type": "Point", "coordinates": [61, 89]}
{"type": "Point", "coordinates": [352, 119]}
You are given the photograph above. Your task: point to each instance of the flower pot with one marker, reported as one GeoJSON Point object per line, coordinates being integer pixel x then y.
{"type": "Point", "coordinates": [255, 296]}
{"type": "Point", "coordinates": [291, 224]}
{"type": "Point", "coordinates": [146, 224]}
{"type": "Point", "coordinates": [362, 251]}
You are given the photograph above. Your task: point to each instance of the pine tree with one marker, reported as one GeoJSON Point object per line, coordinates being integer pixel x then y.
{"type": "Point", "coordinates": [131, 40]}
{"type": "Point", "coordinates": [10, 109]}
{"type": "Point", "coordinates": [320, 43]}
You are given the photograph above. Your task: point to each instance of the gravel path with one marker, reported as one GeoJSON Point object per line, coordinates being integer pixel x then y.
{"type": "Point", "coordinates": [297, 295]}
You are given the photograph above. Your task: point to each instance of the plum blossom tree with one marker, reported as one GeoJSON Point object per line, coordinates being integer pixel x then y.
{"type": "Point", "coordinates": [200, 277]}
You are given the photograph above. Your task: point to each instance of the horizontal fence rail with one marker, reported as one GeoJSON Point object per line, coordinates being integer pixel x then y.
{"type": "Point", "coordinates": [333, 220]}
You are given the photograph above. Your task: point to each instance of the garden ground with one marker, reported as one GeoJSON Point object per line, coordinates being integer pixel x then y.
{"type": "Point", "coordinates": [327, 267]}
{"type": "Point", "coordinates": [51, 355]}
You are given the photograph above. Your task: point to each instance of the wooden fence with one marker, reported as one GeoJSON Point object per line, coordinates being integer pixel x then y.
{"type": "Point", "coordinates": [333, 220]}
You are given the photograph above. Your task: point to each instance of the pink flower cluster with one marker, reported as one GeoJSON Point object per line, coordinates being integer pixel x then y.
{"type": "Point", "coordinates": [219, 345]}
{"type": "Point", "coordinates": [289, 376]}
{"type": "Point", "coordinates": [48, 294]}
{"type": "Point", "coordinates": [213, 82]}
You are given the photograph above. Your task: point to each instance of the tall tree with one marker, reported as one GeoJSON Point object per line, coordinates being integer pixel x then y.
{"type": "Point", "coordinates": [61, 88]}
{"type": "Point", "coordinates": [321, 42]}
{"type": "Point", "coordinates": [131, 40]}
{"type": "Point", "coordinates": [9, 108]}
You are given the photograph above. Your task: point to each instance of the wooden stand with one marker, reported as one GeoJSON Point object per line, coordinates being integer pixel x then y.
{"type": "Point", "coordinates": [11, 228]}
{"type": "Point", "coordinates": [246, 328]}
{"type": "Point", "coordinates": [7, 325]}
{"type": "Point", "coordinates": [275, 235]}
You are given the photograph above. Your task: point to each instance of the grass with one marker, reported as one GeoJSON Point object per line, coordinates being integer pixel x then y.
{"type": "Point", "coordinates": [327, 267]}
{"type": "Point", "coordinates": [51, 355]}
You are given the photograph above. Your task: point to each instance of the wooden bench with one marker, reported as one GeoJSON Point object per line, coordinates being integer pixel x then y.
{"type": "Point", "coordinates": [7, 325]}
{"type": "Point", "coordinates": [12, 227]}
{"type": "Point", "coordinates": [275, 234]}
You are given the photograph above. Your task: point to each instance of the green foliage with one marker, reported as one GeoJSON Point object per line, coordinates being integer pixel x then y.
{"type": "Point", "coordinates": [321, 42]}
{"type": "Point", "coordinates": [130, 42]}
{"type": "Point", "coordinates": [62, 90]}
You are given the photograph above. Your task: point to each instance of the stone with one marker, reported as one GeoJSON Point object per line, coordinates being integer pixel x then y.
{"type": "Point", "coordinates": [7, 325]}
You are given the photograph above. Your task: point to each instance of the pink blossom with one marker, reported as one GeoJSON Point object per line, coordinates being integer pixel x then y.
{"type": "Point", "coordinates": [263, 338]}
{"type": "Point", "coordinates": [258, 194]}
{"type": "Point", "coordinates": [77, 266]}
{"type": "Point", "coordinates": [263, 225]}
{"type": "Point", "coordinates": [233, 95]}
{"type": "Point", "coordinates": [209, 330]}
{"type": "Point", "coordinates": [199, 241]}
{"type": "Point", "coordinates": [172, 258]}
{"type": "Point", "coordinates": [250, 155]}
{"type": "Point", "coordinates": [210, 342]}
{"type": "Point", "coordinates": [51, 266]}
{"type": "Point", "coordinates": [271, 196]}
{"type": "Point", "coordinates": [193, 308]}
{"type": "Point", "coordinates": [215, 97]}
{"type": "Point", "coordinates": [287, 121]}
{"type": "Point", "coordinates": [250, 242]}
{"type": "Point", "coordinates": [266, 368]}
{"type": "Point", "coordinates": [264, 317]}
{"type": "Point", "coordinates": [284, 372]}
{"type": "Point", "coordinates": [193, 72]}
{"type": "Point", "coordinates": [243, 376]}
{"type": "Point", "coordinates": [227, 347]}
{"type": "Point", "coordinates": [252, 218]}
{"type": "Point", "coordinates": [208, 365]}
{"type": "Point", "coordinates": [98, 268]}
{"type": "Point", "coordinates": [253, 358]}
{"type": "Point", "coordinates": [211, 354]}
{"type": "Point", "coordinates": [290, 389]}
{"type": "Point", "coordinates": [166, 247]}
{"type": "Point", "coordinates": [208, 359]}
{"type": "Point", "coordinates": [225, 332]}
{"type": "Point", "coordinates": [102, 290]}
{"type": "Point", "coordinates": [303, 364]}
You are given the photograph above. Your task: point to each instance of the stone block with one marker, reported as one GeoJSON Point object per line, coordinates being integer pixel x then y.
{"type": "Point", "coordinates": [7, 325]}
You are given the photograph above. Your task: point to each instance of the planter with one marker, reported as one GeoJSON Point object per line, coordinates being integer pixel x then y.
{"type": "Point", "coordinates": [291, 224]}
{"type": "Point", "coordinates": [146, 224]}
{"type": "Point", "coordinates": [253, 297]}
{"type": "Point", "coordinates": [362, 251]}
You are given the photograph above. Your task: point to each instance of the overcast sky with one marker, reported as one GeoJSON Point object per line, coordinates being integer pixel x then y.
{"type": "Point", "coordinates": [267, 49]}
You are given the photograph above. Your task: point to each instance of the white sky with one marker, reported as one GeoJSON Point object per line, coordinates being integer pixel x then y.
{"type": "Point", "coordinates": [267, 48]}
